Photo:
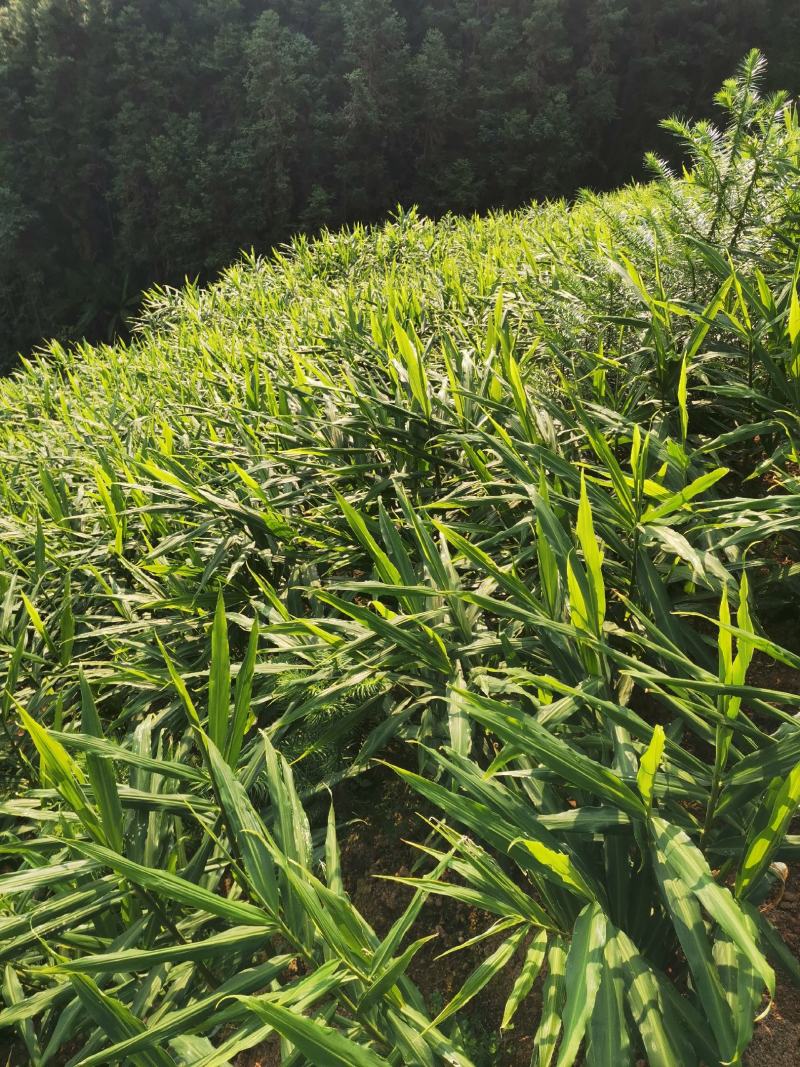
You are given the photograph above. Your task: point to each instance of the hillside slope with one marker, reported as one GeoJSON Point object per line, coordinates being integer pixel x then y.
{"type": "Point", "coordinates": [520, 489]}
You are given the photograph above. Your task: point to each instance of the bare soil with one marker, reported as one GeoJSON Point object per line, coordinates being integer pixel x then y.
{"type": "Point", "coordinates": [386, 816]}
{"type": "Point", "coordinates": [777, 1038]}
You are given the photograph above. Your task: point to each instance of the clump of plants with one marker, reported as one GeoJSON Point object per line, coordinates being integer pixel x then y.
{"type": "Point", "coordinates": [516, 497]}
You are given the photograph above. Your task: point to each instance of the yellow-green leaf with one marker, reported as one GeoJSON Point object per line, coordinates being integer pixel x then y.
{"type": "Point", "coordinates": [649, 764]}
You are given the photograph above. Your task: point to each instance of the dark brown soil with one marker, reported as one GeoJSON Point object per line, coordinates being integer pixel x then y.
{"type": "Point", "coordinates": [385, 818]}
{"type": "Point", "coordinates": [777, 1038]}
{"type": "Point", "coordinates": [379, 846]}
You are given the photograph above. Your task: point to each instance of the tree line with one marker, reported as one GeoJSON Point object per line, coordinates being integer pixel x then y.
{"type": "Point", "coordinates": [145, 141]}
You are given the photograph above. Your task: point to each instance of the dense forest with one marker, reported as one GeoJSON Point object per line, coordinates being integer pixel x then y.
{"type": "Point", "coordinates": [144, 142]}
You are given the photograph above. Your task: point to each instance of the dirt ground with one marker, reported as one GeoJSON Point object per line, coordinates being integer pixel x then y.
{"type": "Point", "coordinates": [376, 843]}
{"type": "Point", "coordinates": [777, 1038]}
{"type": "Point", "coordinates": [386, 852]}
